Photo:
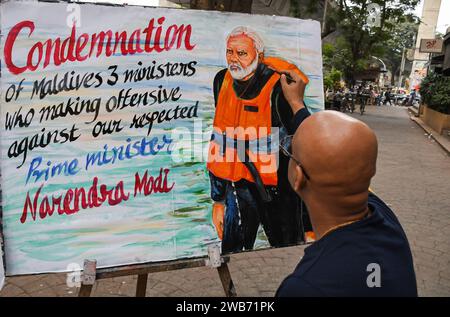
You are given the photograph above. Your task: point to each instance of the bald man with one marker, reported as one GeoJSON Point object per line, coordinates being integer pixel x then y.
{"type": "Point", "coordinates": [361, 248]}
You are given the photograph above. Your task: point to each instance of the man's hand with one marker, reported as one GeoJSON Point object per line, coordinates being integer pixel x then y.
{"type": "Point", "coordinates": [294, 92]}
{"type": "Point", "coordinates": [218, 214]}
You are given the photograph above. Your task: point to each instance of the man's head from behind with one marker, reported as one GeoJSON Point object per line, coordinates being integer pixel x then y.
{"type": "Point", "coordinates": [244, 51]}
{"type": "Point", "coordinates": [336, 159]}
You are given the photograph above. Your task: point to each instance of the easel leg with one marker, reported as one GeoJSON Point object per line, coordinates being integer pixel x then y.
{"type": "Point", "coordinates": [91, 274]}
{"type": "Point", "coordinates": [85, 290]}
{"type": "Point", "coordinates": [141, 287]}
{"type": "Point", "coordinates": [226, 280]}
{"type": "Point", "coordinates": [88, 278]}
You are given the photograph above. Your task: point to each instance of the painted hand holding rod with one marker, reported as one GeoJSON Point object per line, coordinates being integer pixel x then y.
{"type": "Point", "coordinates": [293, 86]}
{"type": "Point", "coordinates": [293, 89]}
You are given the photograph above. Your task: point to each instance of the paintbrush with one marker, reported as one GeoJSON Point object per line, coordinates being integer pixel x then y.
{"type": "Point", "coordinates": [289, 79]}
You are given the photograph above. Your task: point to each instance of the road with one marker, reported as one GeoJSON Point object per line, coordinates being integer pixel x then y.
{"type": "Point", "coordinates": [413, 177]}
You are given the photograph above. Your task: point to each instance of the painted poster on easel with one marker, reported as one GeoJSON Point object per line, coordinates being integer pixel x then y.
{"type": "Point", "coordinates": [110, 122]}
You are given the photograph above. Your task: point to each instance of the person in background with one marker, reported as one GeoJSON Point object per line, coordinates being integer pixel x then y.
{"type": "Point", "coordinates": [412, 97]}
{"type": "Point", "coordinates": [329, 96]}
{"type": "Point", "coordinates": [337, 100]}
{"type": "Point", "coordinates": [387, 97]}
{"type": "Point", "coordinates": [379, 98]}
{"type": "Point", "coordinates": [372, 94]}
{"type": "Point", "coordinates": [361, 248]}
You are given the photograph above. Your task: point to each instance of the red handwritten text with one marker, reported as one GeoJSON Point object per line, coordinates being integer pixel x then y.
{"type": "Point", "coordinates": [83, 46]}
{"type": "Point", "coordinates": [74, 200]}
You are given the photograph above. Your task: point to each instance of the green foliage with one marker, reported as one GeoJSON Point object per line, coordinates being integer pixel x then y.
{"type": "Point", "coordinates": [341, 58]}
{"type": "Point", "coordinates": [402, 36]}
{"type": "Point", "coordinates": [332, 76]}
{"type": "Point", "coordinates": [328, 50]}
{"type": "Point", "coordinates": [309, 6]}
{"type": "Point", "coordinates": [332, 79]}
{"type": "Point", "coordinates": [358, 40]}
{"type": "Point", "coordinates": [328, 56]}
{"type": "Point", "coordinates": [435, 92]}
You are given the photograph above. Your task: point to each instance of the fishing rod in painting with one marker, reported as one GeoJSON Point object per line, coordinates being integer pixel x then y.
{"type": "Point", "coordinates": [154, 38]}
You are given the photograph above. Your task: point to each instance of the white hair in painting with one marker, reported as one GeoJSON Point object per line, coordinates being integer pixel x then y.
{"type": "Point", "coordinates": [244, 30]}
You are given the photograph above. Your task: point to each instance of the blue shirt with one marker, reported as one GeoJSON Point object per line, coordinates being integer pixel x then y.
{"type": "Point", "coordinates": [353, 260]}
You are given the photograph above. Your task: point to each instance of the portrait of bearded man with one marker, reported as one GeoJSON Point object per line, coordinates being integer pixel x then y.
{"type": "Point", "coordinates": [248, 174]}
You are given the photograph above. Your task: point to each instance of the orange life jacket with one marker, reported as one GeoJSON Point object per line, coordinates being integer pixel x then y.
{"type": "Point", "coordinates": [280, 65]}
{"type": "Point", "coordinates": [254, 119]}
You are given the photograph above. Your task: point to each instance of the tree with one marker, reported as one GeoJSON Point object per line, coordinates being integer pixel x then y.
{"type": "Point", "coordinates": [360, 39]}
{"type": "Point", "coordinates": [331, 76]}
{"type": "Point", "coordinates": [366, 40]}
{"type": "Point", "coordinates": [403, 36]}
{"type": "Point", "coordinates": [332, 79]}
{"type": "Point", "coordinates": [223, 5]}
{"type": "Point", "coordinates": [435, 92]}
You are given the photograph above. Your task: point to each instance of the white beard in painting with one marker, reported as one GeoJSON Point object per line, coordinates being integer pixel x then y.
{"type": "Point", "coordinates": [238, 72]}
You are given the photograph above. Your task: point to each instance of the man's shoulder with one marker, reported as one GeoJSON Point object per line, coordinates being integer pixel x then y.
{"type": "Point", "coordinates": [221, 72]}
{"type": "Point", "coordinates": [341, 268]}
{"type": "Point", "coordinates": [377, 203]}
{"type": "Point", "coordinates": [217, 83]}
{"type": "Point", "coordinates": [295, 286]}
{"type": "Point", "coordinates": [337, 264]}
{"type": "Point", "coordinates": [220, 75]}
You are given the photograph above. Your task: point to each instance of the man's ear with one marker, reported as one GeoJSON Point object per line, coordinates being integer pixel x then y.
{"type": "Point", "coordinates": [299, 179]}
{"type": "Point", "coordinates": [296, 177]}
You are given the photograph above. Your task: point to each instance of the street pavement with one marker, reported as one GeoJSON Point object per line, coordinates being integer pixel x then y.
{"type": "Point", "coordinates": [413, 177]}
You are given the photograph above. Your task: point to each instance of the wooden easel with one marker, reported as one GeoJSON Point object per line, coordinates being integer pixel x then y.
{"type": "Point", "coordinates": [92, 274]}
